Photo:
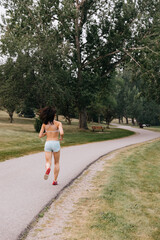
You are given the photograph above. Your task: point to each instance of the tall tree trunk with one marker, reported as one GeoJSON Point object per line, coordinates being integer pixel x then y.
{"type": "Point", "coordinates": [11, 116]}
{"type": "Point", "coordinates": [126, 120]}
{"type": "Point", "coordinates": [119, 120]}
{"type": "Point", "coordinates": [107, 122]}
{"type": "Point", "coordinates": [82, 113]}
{"type": "Point", "coordinates": [83, 119]}
{"type": "Point", "coordinates": [133, 121]}
{"type": "Point", "coordinates": [69, 120]}
{"type": "Point", "coordinates": [99, 119]}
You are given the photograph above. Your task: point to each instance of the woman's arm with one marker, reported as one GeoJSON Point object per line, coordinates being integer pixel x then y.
{"type": "Point", "coordinates": [61, 131]}
{"type": "Point", "coordinates": [41, 133]}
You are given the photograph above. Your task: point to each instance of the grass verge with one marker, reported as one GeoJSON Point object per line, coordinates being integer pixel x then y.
{"type": "Point", "coordinates": [19, 138]}
{"type": "Point", "coordinates": [125, 200]}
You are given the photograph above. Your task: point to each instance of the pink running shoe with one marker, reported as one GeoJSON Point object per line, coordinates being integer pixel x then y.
{"type": "Point", "coordinates": [54, 183]}
{"type": "Point", "coordinates": [47, 173]}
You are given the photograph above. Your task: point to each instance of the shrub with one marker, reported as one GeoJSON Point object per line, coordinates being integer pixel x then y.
{"type": "Point", "coordinates": [26, 112]}
{"type": "Point", "coordinates": [37, 124]}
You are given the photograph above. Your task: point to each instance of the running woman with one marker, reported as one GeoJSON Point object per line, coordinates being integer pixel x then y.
{"type": "Point", "coordinates": [52, 129]}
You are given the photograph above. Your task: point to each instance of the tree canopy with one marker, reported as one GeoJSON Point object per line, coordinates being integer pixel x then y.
{"type": "Point", "coordinates": [69, 49]}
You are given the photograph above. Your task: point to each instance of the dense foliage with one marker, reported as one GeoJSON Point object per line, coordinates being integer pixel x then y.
{"type": "Point", "coordinates": [65, 53]}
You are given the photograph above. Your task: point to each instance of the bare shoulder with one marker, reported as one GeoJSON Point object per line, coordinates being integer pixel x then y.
{"type": "Point", "coordinates": [57, 123]}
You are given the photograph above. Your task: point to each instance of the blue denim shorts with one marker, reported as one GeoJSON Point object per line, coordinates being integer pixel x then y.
{"type": "Point", "coordinates": [52, 146]}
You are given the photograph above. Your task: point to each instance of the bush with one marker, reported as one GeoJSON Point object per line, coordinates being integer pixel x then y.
{"type": "Point", "coordinates": [26, 112]}
{"type": "Point", "coordinates": [32, 115]}
{"type": "Point", "coordinates": [37, 124]}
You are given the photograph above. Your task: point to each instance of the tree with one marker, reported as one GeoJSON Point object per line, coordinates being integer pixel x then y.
{"type": "Point", "coordinates": [67, 104]}
{"type": "Point", "coordinates": [8, 92]}
{"type": "Point", "coordinates": [119, 91]}
{"type": "Point", "coordinates": [104, 104]}
{"type": "Point", "coordinates": [146, 57]}
{"type": "Point", "coordinates": [94, 37]}
{"type": "Point", "coordinates": [101, 35]}
{"type": "Point", "coordinates": [30, 41]}
{"type": "Point", "coordinates": [150, 113]}
{"type": "Point", "coordinates": [132, 103]}
{"type": "Point", "coordinates": [108, 99]}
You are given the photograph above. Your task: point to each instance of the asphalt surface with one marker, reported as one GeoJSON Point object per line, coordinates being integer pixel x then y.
{"type": "Point", "coordinates": [24, 192]}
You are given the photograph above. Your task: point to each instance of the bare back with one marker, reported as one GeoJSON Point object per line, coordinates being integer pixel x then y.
{"type": "Point", "coordinates": [52, 131]}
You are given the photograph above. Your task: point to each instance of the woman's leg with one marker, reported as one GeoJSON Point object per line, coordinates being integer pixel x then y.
{"type": "Point", "coordinates": [56, 165]}
{"type": "Point", "coordinates": [48, 156]}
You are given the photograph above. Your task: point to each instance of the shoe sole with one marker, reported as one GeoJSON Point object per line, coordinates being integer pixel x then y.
{"type": "Point", "coordinates": [55, 184]}
{"type": "Point", "coordinates": [46, 177]}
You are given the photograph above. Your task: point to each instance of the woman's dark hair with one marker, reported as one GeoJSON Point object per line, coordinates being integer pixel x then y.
{"type": "Point", "coordinates": [47, 114]}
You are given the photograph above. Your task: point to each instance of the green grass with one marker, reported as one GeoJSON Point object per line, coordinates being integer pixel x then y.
{"type": "Point", "coordinates": [125, 201]}
{"type": "Point", "coordinates": [154, 128]}
{"type": "Point", "coordinates": [19, 138]}
{"type": "Point", "coordinates": [80, 137]}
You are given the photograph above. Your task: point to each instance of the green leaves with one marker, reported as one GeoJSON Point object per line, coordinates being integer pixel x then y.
{"type": "Point", "coordinates": [75, 46]}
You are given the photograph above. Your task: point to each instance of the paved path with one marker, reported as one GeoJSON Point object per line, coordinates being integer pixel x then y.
{"type": "Point", "coordinates": [23, 192]}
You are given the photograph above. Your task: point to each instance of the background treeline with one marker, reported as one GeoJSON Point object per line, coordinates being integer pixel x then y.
{"type": "Point", "coordinates": [95, 60]}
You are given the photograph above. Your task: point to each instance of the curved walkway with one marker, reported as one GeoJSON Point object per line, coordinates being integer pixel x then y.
{"type": "Point", "coordinates": [24, 193]}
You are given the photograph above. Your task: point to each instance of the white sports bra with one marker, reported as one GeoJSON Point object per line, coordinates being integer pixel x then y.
{"type": "Point", "coordinates": [51, 128]}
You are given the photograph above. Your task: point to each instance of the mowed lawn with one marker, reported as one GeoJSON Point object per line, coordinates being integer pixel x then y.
{"type": "Point", "coordinates": [19, 138]}
{"type": "Point", "coordinates": [124, 202]}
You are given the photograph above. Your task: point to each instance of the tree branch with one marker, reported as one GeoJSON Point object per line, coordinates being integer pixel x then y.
{"type": "Point", "coordinates": [101, 57]}
{"type": "Point", "coordinates": [82, 3]}
{"type": "Point", "coordinates": [131, 57]}
{"type": "Point", "coordinates": [141, 48]}
{"type": "Point", "coordinates": [114, 65]}
{"type": "Point", "coordinates": [117, 51]}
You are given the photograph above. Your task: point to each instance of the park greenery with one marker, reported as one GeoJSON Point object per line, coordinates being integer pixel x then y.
{"type": "Point", "coordinates": [123, 200]}
{"type": "Point", "coordinates": [20, 138]}
{"type": "Point", "coordinates": [93, 60]}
